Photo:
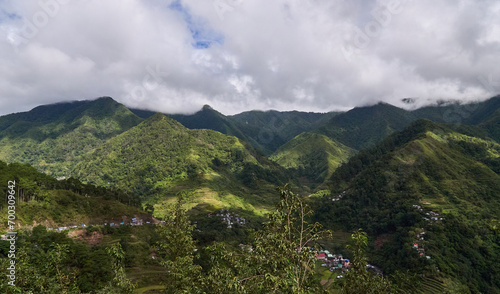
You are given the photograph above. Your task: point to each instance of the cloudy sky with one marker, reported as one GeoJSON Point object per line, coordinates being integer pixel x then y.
{"type": "Point", "coordinates": [237, 55]}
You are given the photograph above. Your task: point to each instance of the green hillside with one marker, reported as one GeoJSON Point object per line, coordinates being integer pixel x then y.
{"type": "Point", "coordinates": [208, 118]}
{"type": "Point", "coordinates": [268, 130]}
{"type": "Point", "coordinates": [52, 138]}
{"type": "Point", "coordinates": [428, 179]}
{"type": "Point", "coordinates": [314, 156]}
{"type": "Point", "coordinates": [159, 158]}
{"type": "Point", "coordinates": [402, 180]}
{"type": "Point", "coordinates": [41, 199]}
{"type": "Point", "coordinates": [488, 118]}
{"type": "Point", "coordinates": [363, 127]}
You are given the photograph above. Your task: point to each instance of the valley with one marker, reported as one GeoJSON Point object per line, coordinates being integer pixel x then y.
{"type": "Point", "coordinates": [424, 185]}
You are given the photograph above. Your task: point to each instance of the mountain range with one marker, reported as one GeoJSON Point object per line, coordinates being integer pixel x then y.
{"type": "Point", "coordinates": [424, 184]}
{"type": "Point", "coordinates": [72, 139]}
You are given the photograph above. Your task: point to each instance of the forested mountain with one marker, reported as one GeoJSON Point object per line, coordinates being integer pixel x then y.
{"type": "Point", "coordinates": [363, 127]}
{"type": "Point", "coordinates": [428, 190]}
{"type": "Point", "coordinates": [426, 193]}
{"type": "Point", "coordinates": [313, 156]}
{"type": "Point", "coordinates": [160, 157]}
{"type": "Point", "coordinates": [268, 130]}
{"type": "Point", "coordinates": [264, 130]}
{"type": "Point", "coordinates": [321, 151]}
{"type": "Point", "coordinates": [52, 138]}
{"type": "Point", "coordinates": [208, 118]}
{"type": "Point", "coordinates": [41, 199]}
{"type": "Point", "coordinates": [50, 259]}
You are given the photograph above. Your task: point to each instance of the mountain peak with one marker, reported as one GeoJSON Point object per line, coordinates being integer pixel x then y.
{"type": "Point", "coordinates": [159, 118]}
{"type": "Point", "coordinates": [105, 98]}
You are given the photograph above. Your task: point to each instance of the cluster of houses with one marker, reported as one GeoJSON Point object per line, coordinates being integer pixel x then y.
{"type": "Point", "coordinates": [333, 261]}
{"type": "Point", "coordinates": [133, 222]}
{"type": "Point", "coordinates": [60, 229]}
{"type": "Point", "coordinates": [339, 196]}
{"type": "Point", "coordinates": [418, 244]}
{"type": "Point", "coordinates": [228, 218]}
{"type": "Point", "coordinates": [430, 216]}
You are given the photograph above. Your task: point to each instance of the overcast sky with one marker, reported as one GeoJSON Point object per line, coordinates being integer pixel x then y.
{"type": "Point", "coordinates": [237, 55]}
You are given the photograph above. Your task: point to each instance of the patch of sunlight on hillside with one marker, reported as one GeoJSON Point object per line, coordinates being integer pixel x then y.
{"type": "Point", "coordinates": [437, 137]}
{"type": "Point", "coordinates": [212, 198]}
{"type": "Point", "coordinates": [211, 176]}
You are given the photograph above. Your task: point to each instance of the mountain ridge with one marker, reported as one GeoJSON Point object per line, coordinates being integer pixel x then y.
{"type": "Point", "coordinates": [427, 178]}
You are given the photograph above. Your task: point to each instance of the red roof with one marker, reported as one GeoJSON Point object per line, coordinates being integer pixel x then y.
{"type": "Point", "coordinates": [321, 255]}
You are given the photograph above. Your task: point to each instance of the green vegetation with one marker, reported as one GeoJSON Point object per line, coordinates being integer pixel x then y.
{"type": "Point", "coordinates": [364, 127]}
{"type": "Point", "coordinates": [268, 130]}
{"type": "Point", "coordinates": [427, 197]}
{"type": "Point", "coordinates": [264, 130]}
{"type": "Point", "coordinates": [280, 258]}
{"type": "Point", "coordinates": [429, 179]}
{"type": "Point", "coordinates": [160, 157]}
{"type": "Point", "coordinates": [359, 279]}
{"type": "Point", "coordinates": [208, 118]}
{"type": "Point", "coordinates": [50, 262]}
{"type": "Point", "coordinates": [53, 138]}
{"type": "Point", "coordinates": [313, 156]}
{"type": "Point", "coordinates": [41, 199]}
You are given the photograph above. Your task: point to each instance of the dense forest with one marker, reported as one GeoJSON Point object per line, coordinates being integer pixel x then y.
{"type": "Point", "coordinates": [278, 258]}
{"type": "Point", "coordinates": [426, 179]}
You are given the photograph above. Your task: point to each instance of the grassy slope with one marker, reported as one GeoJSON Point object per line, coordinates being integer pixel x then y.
{"type": "Point", "coordinates": [160, 157]}
{"type": "Point", "coordinates": [264, 130]}
{"type": "Point", "coordinates": [40, 199]}
{"type": "Point", "coordinates": [268, 130]}
{"type": "Point", "coordinates": [208, 118]}
{"type": "Point", "coordinates": [53, 138]}
{"type": "Point", "coordinates": [441, 170]}
{"type": "Point", "coordinates": [315, 156]}
{"type": "Point", "coordinates": [363, 127]}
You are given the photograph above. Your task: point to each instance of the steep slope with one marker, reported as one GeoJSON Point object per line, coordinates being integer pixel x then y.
{"type": "Point", "coordinates": [483, 111]}
{"type": "Point", "coordinates": [264, 130]}
{"type": "Point", "coordinates": [41, 199]}
{"type": "Point", "coordinates": [472, 113]}
{"type": "Point", "coordinates": [208, 118]}
{"type": "Point", "coordinates": [52, 138]}
{"type": "Point", "coordinates": [363, 127]}
{"type": "Point", "coordinates": [159, 158]}
{"type": "Point", "coordinates": [428, 186]}
{"type": "Point", "coordinates": [313, 155]}
{"type": "Point", "coordinates": [268, 130]}
{"type": "Point", "coordinates": [487, 118]}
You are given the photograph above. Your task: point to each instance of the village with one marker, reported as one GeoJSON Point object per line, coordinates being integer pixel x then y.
{"type": "Point", "coordinates": [333, 261]}
{"type": "Point", "coordinates": [129, 222]}
{"type": "Point", "coordinates": [228, 218]}
{"type": "Point", "coordinates": [337, 263]}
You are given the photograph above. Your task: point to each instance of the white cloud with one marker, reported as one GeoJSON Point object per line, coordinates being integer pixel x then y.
{"type": "Point", "coordinates": [287, 54]}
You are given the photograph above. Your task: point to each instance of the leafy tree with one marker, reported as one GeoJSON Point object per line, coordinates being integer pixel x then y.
{"type": "Point", "coordinates": [177, 249]}
{"type": "Point", "coordinates": [359, 279]}
{"type": "Point", "coordinates": [285, 248]}
{"type": "Point", "coordinates": [281, 259]}
{"type": "Point", "coordinates": [120, 283]}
